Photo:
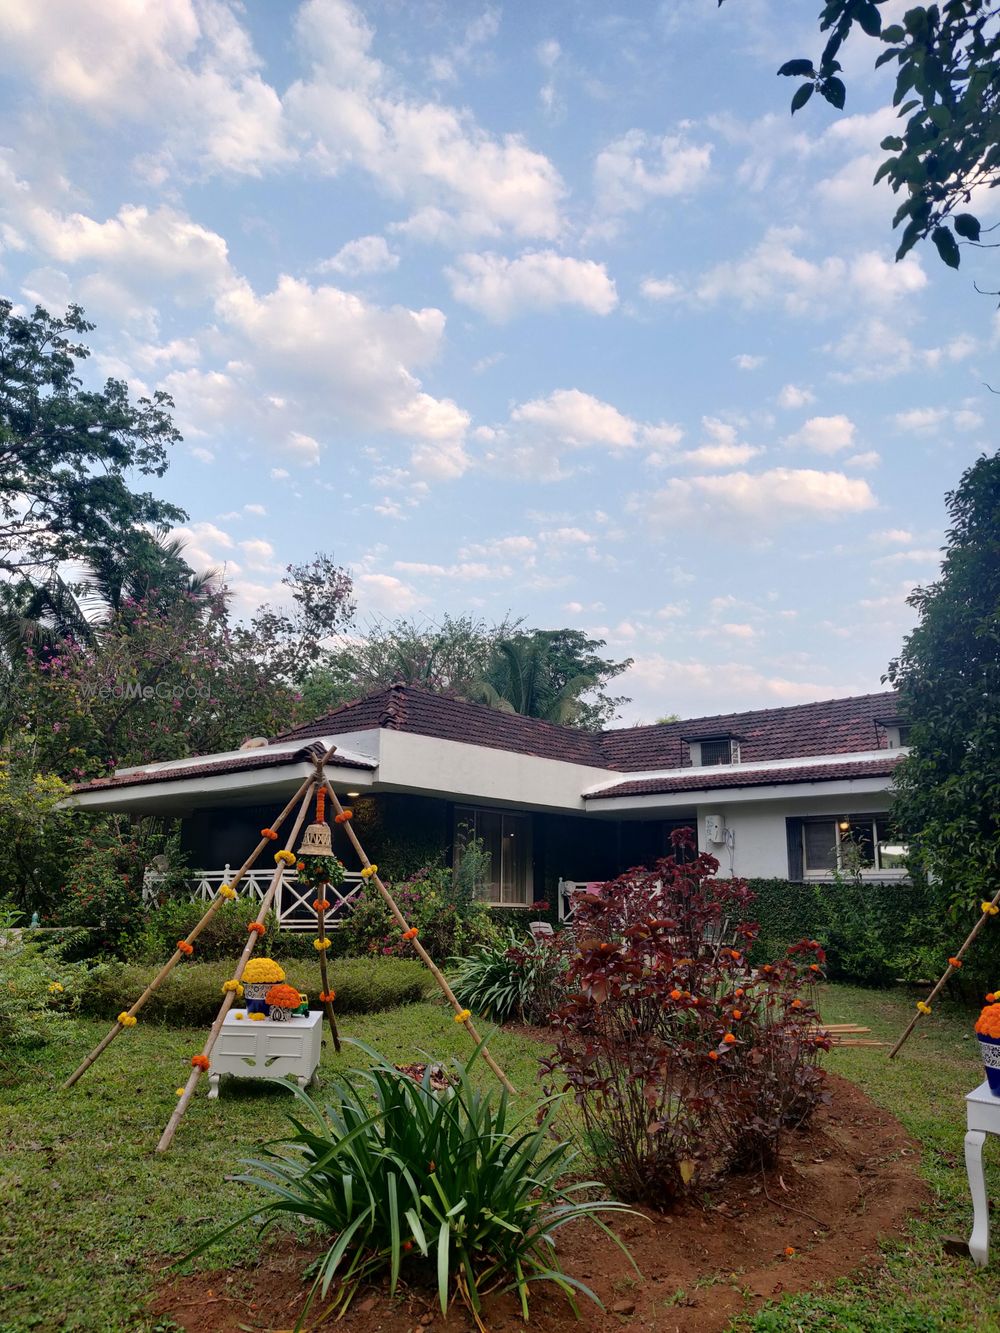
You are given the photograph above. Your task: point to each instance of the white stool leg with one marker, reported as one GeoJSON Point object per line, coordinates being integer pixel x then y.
{"type": "Point", "coordinates": [979, 1241]}
{"type": "Point", "coordinates": [213, 1086]}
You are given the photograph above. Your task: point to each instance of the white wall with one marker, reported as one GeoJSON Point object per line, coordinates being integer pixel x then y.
{"type": "Point", "coordinates": [760, 849]}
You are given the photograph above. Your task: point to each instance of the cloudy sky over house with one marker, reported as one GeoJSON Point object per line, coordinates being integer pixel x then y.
{"type": "Point", "coordinates": [541, 309]}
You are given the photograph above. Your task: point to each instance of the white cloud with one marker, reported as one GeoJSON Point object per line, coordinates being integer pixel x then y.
{"type": "Point", "coordinates": [367, 254]}
{"type": "Point", "coordinates": [303, 448]}
{"type": "Point", "coordinates": [660, 289]}
{"type": "Point", "coordinates": [825, 435]}
{"type": "Point", "coordinates": [641, 166]}
{"type": "Point", "coordinates": [871, 458]}
{"type": "Point", "coordinates": [721, 455]}
{"type": "Point", "coordinates": [794, 395]}
{"type": "Point", "coordinates": [775, 495]}
{"type": "Point", "coordinates": [537, 280]}
{"type": "Point", "coordinates": [892, 536]}
{"type": "Point", "coordinates": [739, 631]}
{"type": "Point", "coordinates": [258, 554]}
{"type": "Point", "coordinates": [929, 420]}
{"type": "Point", "coordinates": [385, 593]}
{"type": "Point", "coordinates": [577, 419]}
{"type": "Point", "coordinates": [745, 361]}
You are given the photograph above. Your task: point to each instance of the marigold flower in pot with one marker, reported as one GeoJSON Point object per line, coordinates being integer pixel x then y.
{"type": "Point", "coordinates": [259, 975]}
{"type": "Point", "coordinates": [988, 1032]}
{"type": "Point", "coordinates": [282, 1001]}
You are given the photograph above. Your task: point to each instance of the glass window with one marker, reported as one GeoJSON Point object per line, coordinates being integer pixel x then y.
{"type": "Point", "coordinates": [819, 845]}
{"type": "Point", "coordinates": [507, 840]}
{"type": "Point", "coordinates": [868, 843]}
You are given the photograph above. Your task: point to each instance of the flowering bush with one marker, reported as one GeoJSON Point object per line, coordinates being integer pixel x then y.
{"type": "Point", "coordinates": [684, 1063]}
{"type": "Point", "coordinates": [988, 1022]}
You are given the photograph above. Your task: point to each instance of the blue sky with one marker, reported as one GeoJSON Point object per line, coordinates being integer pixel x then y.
{"type": "Point", "coordinates": [534, 309]}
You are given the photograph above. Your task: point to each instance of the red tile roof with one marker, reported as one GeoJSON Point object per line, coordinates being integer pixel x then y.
{"type": "Point", "coordinates": [836, 726]}
{"type": "Point", "coordinates": [253, 759]}
{"type": "Point", "coordinates": [708, 779]}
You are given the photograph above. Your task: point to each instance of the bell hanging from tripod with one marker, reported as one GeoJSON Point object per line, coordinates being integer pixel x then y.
{"type": "Point", "coordinates": [316, 841]}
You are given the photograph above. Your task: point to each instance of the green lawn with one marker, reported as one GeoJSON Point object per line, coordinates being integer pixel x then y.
{"type": "Point", "coordinates": [89, 1207]}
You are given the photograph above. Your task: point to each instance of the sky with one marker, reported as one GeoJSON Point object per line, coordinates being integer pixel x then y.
{"type": "Point", "coordinates": [542, 309]}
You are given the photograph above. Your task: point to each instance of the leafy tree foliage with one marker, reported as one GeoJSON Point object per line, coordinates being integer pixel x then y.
{"type": "Point", "coordinates": [947, 59]}
{"type": "Point", "coordinates": [948, 675]}
{"type": "Point", "coordinates": [546, 673]}
{"type": "Point", "coordinates": [67, 452]}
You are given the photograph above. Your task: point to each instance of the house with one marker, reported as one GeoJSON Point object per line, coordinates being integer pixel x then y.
{"type": "Point", "coordinates": [790, 792]}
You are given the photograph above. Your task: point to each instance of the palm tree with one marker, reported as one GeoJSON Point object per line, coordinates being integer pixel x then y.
{"type": "Point", "coordinates": [521, 679]}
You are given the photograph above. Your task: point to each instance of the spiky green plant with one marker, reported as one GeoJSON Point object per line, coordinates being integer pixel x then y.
{"type": "Point", "coordinates": [402, 1176]}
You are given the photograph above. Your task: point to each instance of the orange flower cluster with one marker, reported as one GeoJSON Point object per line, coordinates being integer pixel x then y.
{"type": "Point", "coordinates": [411, 934]}
{"type": "Point", "coordinates": [186, 949]}
{"type": "Point", "coordinates": [320, 904]}
{"type": "Point", "coordinates": [343, 817]}
{"type": "Point", "coordinates": [327, 996]}
{"type": "Point", "coordinates": [283, 997]}
{"type": "Point", "coordinates": [955, 963]}
{"type": "Point", "coordinates": [268, 833]}
{"type": "Point", "coordinates": [988, 1022]}
{"type": "Point", "coordinates": [257, 928]}
{"type": "Point", "coordinates": [200, 1061]}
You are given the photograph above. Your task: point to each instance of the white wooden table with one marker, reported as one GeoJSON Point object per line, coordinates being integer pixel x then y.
{"type": "Point", "coordinates": [983, 1110]}
{"type": "Point", "coordinates": [262, 1048]}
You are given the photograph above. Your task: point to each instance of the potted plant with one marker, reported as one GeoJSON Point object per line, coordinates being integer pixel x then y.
{"type": "Point", "coordinates": [988, 1032]}
{"type": "Point", "coordinates": [259, 975]}
{"type": "Point", "coordinates": [282, 1002]}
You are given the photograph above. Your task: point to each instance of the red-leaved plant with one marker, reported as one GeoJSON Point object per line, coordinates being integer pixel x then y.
{"type": "Point", "coordinates": [684, 1061]}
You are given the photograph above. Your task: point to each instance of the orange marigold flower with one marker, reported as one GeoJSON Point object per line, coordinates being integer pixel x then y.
{"type": "Point", "coordinates": [988, 1022]}
{"type": "Point", "coordinates": [411, 934]}
{"type": "Point", "coordinates": [257, 928]}
{"type": "Point", "coordinates": [268, 833]}
{"type": "Point", "coordinates": [737, 1013]}
{"type": "Point", "coordinates": [675, 995]}
{"type": "Point", "coordinates": [991, 996]}
{"type": "Point", "coordinates": [343, 817]}
{"type": "Point", "coordinates": [729, 1039]}
{"type": "Point", "coordinates": [320, 904]}
{"type": "Point", "coordinates": [186, 949]}
{"type": "Point", "coordinates": [713, 1055]}
{"type": "Point", "coordinates": [200, 1061]}
{"type": "Point", "coordinates": [955, 962]}
{"type": "Point", "coordinates": [327, 996]}
{"type": "Point", "coordinates": [283, 996]}
{"type": "Point", "coordinates": [789, 1250]}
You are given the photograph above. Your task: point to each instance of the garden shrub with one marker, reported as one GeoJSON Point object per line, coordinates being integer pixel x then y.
{"type": "Point", "coordinates": [192, 994]}
{"type": "Point", "coordinates": [513, 977]}
{"type": "Point", "coordinates": [223, 938]}
{"type": "Point", "coordinates": [684, 1063]}
{"type": "Point", "coordinates": [446, 1184]}
{"type": "Point", "coordinates": [38, 988]}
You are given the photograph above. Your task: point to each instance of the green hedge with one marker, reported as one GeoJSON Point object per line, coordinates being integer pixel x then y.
{"type": "Point", "coordinates": [192, 993]}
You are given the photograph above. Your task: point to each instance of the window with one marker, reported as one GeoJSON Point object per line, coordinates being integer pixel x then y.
{"type": "Point", "coordinates": [507, 839]}
{"type": "Point", "coordinates": [718, 752]}
{"type": "Point", "coordinates": [852, 844]}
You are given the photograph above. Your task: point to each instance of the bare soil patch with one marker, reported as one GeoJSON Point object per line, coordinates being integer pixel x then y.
{"type": "Point", "coordinates": [854, 1169]}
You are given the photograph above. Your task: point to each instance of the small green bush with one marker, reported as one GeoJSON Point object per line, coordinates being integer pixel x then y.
{"type": "Point", "coordinates": [223, 938]}
{"type": "Point", "coordinates": [38, 989]}
{"type": "Point", "coordinates": [512, 977]}
{"type": "Point", "coordinates": [192, 994]}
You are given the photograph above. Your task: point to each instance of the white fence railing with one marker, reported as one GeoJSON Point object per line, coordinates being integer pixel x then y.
{"type": "Point", "coordinates": [293, 902]}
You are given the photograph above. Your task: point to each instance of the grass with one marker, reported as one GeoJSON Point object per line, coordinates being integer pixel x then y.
{"type": "Point", "coordinates": [91, 1212]}
{"type": "Point", "coordinates": [916, 1288]}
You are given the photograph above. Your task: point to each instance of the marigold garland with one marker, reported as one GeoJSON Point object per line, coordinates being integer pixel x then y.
{"type": "Point", "coordinates": [321, 944]}
{"type": "Point", "coordinates": [989, 909]}
{"type": "Point", "coordinates": [232, 985]}
{"type": "Point", "coordinates": [269, 833]}
{"type": "Point", "coordinates": [343, 817]}
{"type": "Point", "coordinates": [284, 857]}
{"type": "Point", "coordinates": [200, 1062]}
{"type": "Point", "coordinates": [368, 871]}
{"type": "Point", "coordinates": [126, 1019]}
{"type": "Point", "coordinates": [186, 949]}
{"type": "Point", "coordinates": [923, 1007]}
{"type": "Point", "coordinates": [463, 1015]}
{"type": "Point", "coordinates": [411, 934]}
{"type": "Point", "coordinates": [256, 928]}
{"type": "Point", "coordinates": [321, 904]}
{"type": "Point", "coordinates": [988, 1022]}
{"type": "Point", "coordinates": [955, 963]}
{"type": "Point", "coordinates": [228, 892]}
{"type": "Point", "coordinates": [327, 996]}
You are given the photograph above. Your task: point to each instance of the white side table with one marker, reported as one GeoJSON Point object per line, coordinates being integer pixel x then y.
{"type": "Point", "coordinates": [262, 1048]}
{"type": "Point", "coordinates": [983, 1110]}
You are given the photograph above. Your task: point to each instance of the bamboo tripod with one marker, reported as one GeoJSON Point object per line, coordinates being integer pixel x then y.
{"type": "Point", "coordinates": [989, 908]}
{"type": "Point", "coordinates": [314, 784]}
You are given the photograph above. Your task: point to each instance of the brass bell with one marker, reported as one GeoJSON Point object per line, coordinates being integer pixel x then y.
{"type": "Point", "coordinates": [317, 841]}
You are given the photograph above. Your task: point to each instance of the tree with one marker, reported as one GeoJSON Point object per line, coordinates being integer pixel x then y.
{"type": "Point", "coordinates": [546, 673]}
{"type": "Point", "coordinates": [947, 59]}
{"type": "Point", "coordinates": [66, 452]}
{"type": "Point", "coordinates": [948, 674]}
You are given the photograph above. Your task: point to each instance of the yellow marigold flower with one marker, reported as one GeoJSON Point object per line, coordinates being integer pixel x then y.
{"type": "Point", "coordinates": [321, 944]}
{"type": "Point", "coordinates": [257, 1017]}
{"type": "Point", "coordinates": [126, 1019]}
{"type": "Point", "coordinates": [923, 1007]}
{"type": "Point", "coordinates": [55, 988]}
{"type": "Point", "coordinates": [989, 909]}
{"type": "Point", "coordinates": [369, 871]}
{"type": "Point", "coordinates": [263, 969]}
{"type": "Point", "coordinates": [232, 985]}
{"type": "Point", "coordinates": [178, 1092]}
{"type": "Point", "coordinates": [239, 1014]}
{"type": "Point", "coordinates": [285, 856]}
{"type": "Point", "coordinates": [463, 1015]}
{"type": "Point", "coordinates": [227, 891]}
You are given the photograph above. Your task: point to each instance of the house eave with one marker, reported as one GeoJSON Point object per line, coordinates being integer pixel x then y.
{"type": "Point", "coordinates": [789, 791]}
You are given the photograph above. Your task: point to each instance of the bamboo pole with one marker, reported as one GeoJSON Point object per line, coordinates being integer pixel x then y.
{"type": "Point", "coordinates": [166, 1138]}
{"type": "Point", "coordinates": [324, 978]}
{"type": "Point", "coordinates": [421, 952]}
{"type": "Point", "coordinates": [994, 902]}
{"type": "Point", "coordinates": [177, 955]}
